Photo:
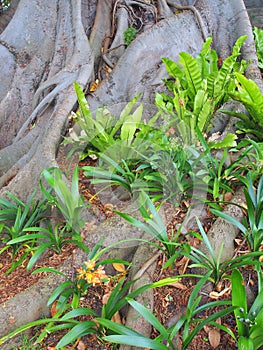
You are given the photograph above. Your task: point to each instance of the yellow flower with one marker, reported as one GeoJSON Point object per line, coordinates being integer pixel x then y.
{"type": "Point", "coordinates": [81, 273]}
{"type": "Point", "coordinates": [90, 264]}
{"type": "Point", "coordinates": [90, 275]}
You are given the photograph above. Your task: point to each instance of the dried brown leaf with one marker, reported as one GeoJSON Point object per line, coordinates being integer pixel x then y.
{"type": "Point", "coordinates": [217, 295]}
{"type": "Point", "coordinates": [53, 310]}
{"type": "Point", "coordinates": [207, 328]}
{"type": "Point", "coordinates": [214, 338]}
{"type": "Point", "coordinates": [105, 298]}
{"type": "Point", "coordinates": [116, 318]}
{"type": "Point", "coordinates": [183, 264]}
{"type": "Point", "coordinates": [119, 267]}
{"type": "Point", "coordinates": [178, 285]}
{"type": "Point", "coordinates": [81, 345]}
{"type": "Point", "coordinates": [238, 241]}
{"type": "Point", "coordinates": [218, 320]}
{"type": "Point", "coordinates": [228, 196]}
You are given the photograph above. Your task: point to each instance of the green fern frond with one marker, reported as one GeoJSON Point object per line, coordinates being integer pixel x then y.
{"type": "Point", "coordinates": [192, 73]}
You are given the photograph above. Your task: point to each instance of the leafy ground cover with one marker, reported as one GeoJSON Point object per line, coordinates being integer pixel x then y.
{"type": "Point", "coordinates": [170, 161]}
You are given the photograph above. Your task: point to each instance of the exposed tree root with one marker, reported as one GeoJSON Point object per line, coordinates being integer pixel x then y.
{"type": "Point", "coordinates": [164, 10]}
{"type": "Point", "coordinates": [36, 148]}
{"type": "Point", "coordinates": [196, 13]}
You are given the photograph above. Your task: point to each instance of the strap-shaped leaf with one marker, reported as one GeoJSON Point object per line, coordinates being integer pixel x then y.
{"type": "Point", "coordinates": [239, 299]}
{"type": "Point", "coordinates": [147, 314]}
{"type": "Point", "coordinates": [206, 47]}
{"type": "Point", "coordinates": [207, 60]}
{"type": "Point", "coordinates": [203, 109]}
{"type": "Point", "coordinates": [238, 45]}
{"type": "Point", "coordinates": [81, 329]}
{"type": "Point", "coordinates": [140, 341]}
{"type": "Point", "coordinates": [257, 306]}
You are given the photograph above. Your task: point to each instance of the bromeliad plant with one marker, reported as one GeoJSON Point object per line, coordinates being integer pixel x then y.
{"type": "Point", "coordinates": [34, 238]}
{"type": "Point", "coordinates": [252, 226]}
{"type": "Point", "coordinates": [165, 175]}
{"type": "Point", "coordinates": [199, 88]}
{"type": "Point", "coordinates": [219, 166]}
{"type": "Point", "coordinates": [176, 173]}
{"type": "Point", "coordinates": [133, 178]}
{"type": "Point", "coordinates": [208, 261]}
{"type": "Point", "coordinates": [26, 226]}
{"type": "Point", "coordinates": [153, 225]}
{"type": "Point", "coordinates": [40, 239]}
{"type": "Point", "coordinates": [213, 172]}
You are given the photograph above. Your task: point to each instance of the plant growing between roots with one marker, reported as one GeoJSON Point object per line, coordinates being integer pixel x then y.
{"type": "Point", "coordinates": [150, 160]}
{"type": "Point", "coordinates": [129, 35]}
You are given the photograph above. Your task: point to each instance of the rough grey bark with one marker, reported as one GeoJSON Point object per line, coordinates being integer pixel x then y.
{"type": "Point", "coordinates": [43, 58]}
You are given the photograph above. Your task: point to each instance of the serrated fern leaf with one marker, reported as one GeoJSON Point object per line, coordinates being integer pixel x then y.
{"type": "Point", "coordinates": [227, 68]}
{"type": "Point", "coordinates": [192, 73]}
{"type": "Point", "coordinates": [172, 68]}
